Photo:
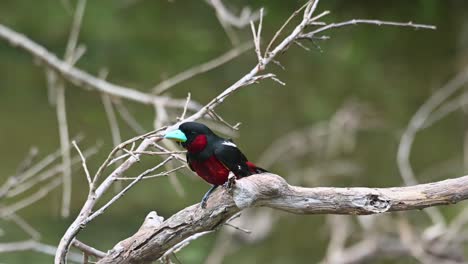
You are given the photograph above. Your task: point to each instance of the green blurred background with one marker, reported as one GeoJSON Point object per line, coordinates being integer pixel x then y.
{"type": "Point", "coordinates": [392, 70]}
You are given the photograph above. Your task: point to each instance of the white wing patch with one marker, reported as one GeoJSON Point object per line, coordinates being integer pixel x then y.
{"type": "Point", "coordinates": [228, 143]}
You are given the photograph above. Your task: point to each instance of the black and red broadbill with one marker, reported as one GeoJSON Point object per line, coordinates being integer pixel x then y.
{"type": "Point", "coordinates": [210, 156]}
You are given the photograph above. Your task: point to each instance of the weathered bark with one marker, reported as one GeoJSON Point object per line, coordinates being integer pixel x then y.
{"type": "Point", "coordinates": [270, 190]}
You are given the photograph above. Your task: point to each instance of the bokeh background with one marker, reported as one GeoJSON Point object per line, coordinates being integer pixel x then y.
{"type": "Point", "coordinates": [390, 70]}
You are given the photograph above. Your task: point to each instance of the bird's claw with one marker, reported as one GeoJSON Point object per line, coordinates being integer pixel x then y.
{"type": "Point", "coordinates": [203, 203]}
{"type": "Point", "coordinates": [230, 182]}
{"type": "Point", "coordinates": [207, 195]}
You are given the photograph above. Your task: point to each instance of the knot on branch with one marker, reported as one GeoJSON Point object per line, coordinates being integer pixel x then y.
{"type": "Point", "coordinates": [373, 203]}
{"type": "Point", "coordinates": [248, 191]}
{"type": "Point", "coordinates": [152, 220]}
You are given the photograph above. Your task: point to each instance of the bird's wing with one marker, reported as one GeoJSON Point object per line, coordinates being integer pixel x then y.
{"type": "Point", "coordinates": [189, 162]}
{"type": "Point", "coordinates": [231, 157]}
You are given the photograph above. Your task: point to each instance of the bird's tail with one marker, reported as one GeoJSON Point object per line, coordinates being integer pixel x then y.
{"type": "Point", "coordinates": [255, 169]}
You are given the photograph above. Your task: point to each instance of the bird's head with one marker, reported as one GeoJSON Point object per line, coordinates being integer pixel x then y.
{"type": "Point", "coordinates": [191, 135]}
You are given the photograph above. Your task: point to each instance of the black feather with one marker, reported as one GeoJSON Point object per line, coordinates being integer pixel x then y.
{"type": "Point", "coordinates": [233, 159]}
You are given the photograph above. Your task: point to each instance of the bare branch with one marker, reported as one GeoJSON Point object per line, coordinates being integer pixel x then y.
{"type": "Point", "coordinates": [35, 246]}
{"type": "Point", "coordinates": [41, 193]}
{"type": "Point", "coordinates": [83, 163]}
{"type": "Point", "coordinates": [129, 119]}
{"type": "Point", "coordinates": [27, 228]}
{"type": "Point", "coordinates": [417, 123]}
{"type": "Point", "coordinates": [121, 193]}
{"type": "Point", "coordinates": [47, 174]}
{"type": "Point", "coordinates": [28, 160]}
{"type": "Point", "coordinates": [366, 21]}
{"type": "Point", "coordinates": [70, 51]}
{"type": "Point", "coordinates": [278, 32]}
{"type": "Point", "coordinates": [166, 173]}
{"type": "Point", "coordinates": [269, 190]}
{"type": "Point", "coordinates": [59, 88]}
{"type": "Point", "coordinates": [256, 38]}
{"type": "Point", "coordinates": [65, 148]}
{"type": "Point", "coordinates": [111, 117]}
{"type": "Point", "coordinates": [238, 228]}
{"type": "Point", "coordinates": [185, 108]}
{"type": "Point", "coordinates": [30, 172]}
{"type": "Point", "coordinates": [202, 68]}
{"type": "Point", "coordinates": [87, 208]}
{"type": "Point", "coordinates": [224, 122]}
{"type": "Point", "coordinates": [88, 249]}
{"type": "Point", "coordinates": [22, 168]}
{"type": "Point", "coordinates": [183, 244]}
{"type": "Point", "coordinates": [112, 120]}
{"type": "Point", "coordinates": [83, 79]}
{"type": "Point", "coordinates": [228, 17]}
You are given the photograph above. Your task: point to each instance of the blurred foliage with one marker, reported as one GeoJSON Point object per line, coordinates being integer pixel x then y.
{"type": "Point", "coordinates": [141, 42]}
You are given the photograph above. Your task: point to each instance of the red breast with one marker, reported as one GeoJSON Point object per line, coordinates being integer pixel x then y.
{"type": "Point", "coordinates": [198, 144]}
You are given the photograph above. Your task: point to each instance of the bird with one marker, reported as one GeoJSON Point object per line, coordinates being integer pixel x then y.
{"type": "Point", "coordinates": [210, 156]}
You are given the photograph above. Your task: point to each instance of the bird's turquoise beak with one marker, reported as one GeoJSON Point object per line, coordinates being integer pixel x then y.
{"type": "Point", "coordinates": [176, 135]}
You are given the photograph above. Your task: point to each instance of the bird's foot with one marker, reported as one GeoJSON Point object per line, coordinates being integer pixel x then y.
{"type": "Point", "coordinates": [230, 182]}
{"type": "Point", "coordinates": [203, 203]}
{"type": "Point", "coordinates": [206, 196]}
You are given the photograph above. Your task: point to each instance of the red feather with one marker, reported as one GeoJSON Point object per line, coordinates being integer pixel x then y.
{"type": "Point", "coordinates": [211, 170]}
{"type": "Point", "coordinates": [198, 144]}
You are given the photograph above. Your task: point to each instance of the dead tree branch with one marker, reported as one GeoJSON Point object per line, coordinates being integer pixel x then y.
{"type": "Point", "coordinates": [226, 16]}
{"type": "Point", "coordinates": [202, 68]}
{"type": "Point", "coordinates": [269, 190]}
{"type": "Point", "coordinates": [84, 79]}
{"type": "Point", "coordinates": [34, 246]}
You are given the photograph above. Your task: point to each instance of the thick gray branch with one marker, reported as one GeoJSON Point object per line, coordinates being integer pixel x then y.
{"type": "Point", "coordinates": [82, 78]}
{"type": "Point", "coordinates": [270, 190]}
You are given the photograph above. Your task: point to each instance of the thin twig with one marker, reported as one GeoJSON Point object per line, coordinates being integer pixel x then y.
{"type": "Point", "coordinates": [238, 228]}
{"type": "Point", "coordinates": [278, 32]}
{"type": "Point", "coordinates": [61, 109]}
{"type": "Point", "coordinates": [31, 172]}
{"type": "Point", "coordinates": [228, 17]}
{"type": "Point", "coordinates": [129, 119]}
{"type": "Point", "coordinates": [185, 107]}
{"type": "Point", "coordinates": [202, 68]}
{"type": "Point", "coordinates": [256, 38]}
{"type": "Point", "coordinates": [124, 190]}
{"type": "Point", "coordinates": [28, 160]}
{"type": "Point", "coordinates": [35, 246]}
{"type": "Point", "coordinates": [41, 193]}
{"type": "Point", "coordinates": [230, 33]}
{"type": "Point", "coordinates": [88, 249]}
{"type": "Point", "coordinates": [83, 163]}
{"type": "Point", "coordinates": [131, 154]}
{"type": "Point", "coordinates": [224, 122]}
{"type": "Point", "coordinates": [111, 118]}
{"type": "Point", "coordinates": [416, 124]}
{"type": "Point", "coordinates": [366, 21]}
{"type": "Point", "coordinates": [47, 174]}
{"type": "Point", "coordinates": [166, 173]}
{"type": "Point", "coordinates": [25, 226]}
{"type": "Point", "coordinates": [65, 149]}
{"type": "Point", "coordinates": [159, 153]}
{"type": "Point", "coordinates": [83, 79]}
{"type": "Point", "coordinates": [185, 243]}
